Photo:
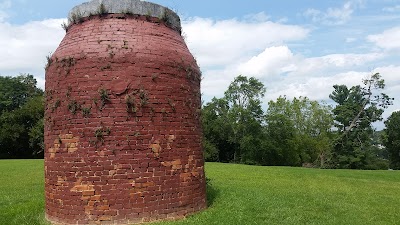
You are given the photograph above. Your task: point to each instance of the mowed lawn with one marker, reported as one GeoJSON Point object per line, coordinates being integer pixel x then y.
{"type": "Point", "coordinates": [241, 194]}
{"type": "Point", "coordinates": [21, 192]}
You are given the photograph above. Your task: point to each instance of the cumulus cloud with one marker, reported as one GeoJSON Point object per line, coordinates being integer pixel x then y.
{"type": "Point", "coordinates": [314, 87]}
{"type": "Point", "coordinates": [293, 75]}
{"type": "Point", "coordinates": [25, 47]}
{"type": "Point", "coordinates": [388, 39]}
{"type": "Point", "coordinates": [271, 62]}
{"type": "Point", "coordinates": [340, 61]}
{"type": "Point", "coordinates": [296, 76]}
{"type": "Point", "coordinates": [217, 43]}
{"type": "Point", "coordinates": [257, 47]}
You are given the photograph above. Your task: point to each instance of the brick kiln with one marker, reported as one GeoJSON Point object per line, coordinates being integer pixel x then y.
{"type": "Point", "coordinates": [122, 130]}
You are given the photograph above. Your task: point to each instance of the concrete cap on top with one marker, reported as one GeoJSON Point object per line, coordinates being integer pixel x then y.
{"type": "Point", "coordinates": [135, 7]}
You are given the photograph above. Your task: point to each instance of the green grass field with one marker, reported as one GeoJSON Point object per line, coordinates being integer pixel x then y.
{"type": "Point", "coordinates": [242, 194]}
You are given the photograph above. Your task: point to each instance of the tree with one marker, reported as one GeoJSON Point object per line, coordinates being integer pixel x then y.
{"type": "Point", "coordinates": [244, 100]}
{"type": "Point", "coordinates": [279, 135]}
{"type": "Point", "coordinates": [357, 108]}
{"type": "Point", "coordinates": [299, 131]}
{"type": "Point", "coordinates": [21, 118]}
{"type": "Point", "coordinates": [233, 124]}
{"type": "Point", "coordinates": [392, 139]}
{"type": "Point", "coordinates": [15, 91]}
{"type": "Point", "coordinates": [217, 131]}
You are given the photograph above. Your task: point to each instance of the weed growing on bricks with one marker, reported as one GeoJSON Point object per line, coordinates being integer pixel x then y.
{"type": "Point", "coordinates": [102, 11]}
{"type": "Point", "coordinates": [105, 67]}
{"type": "Point", "coordinates": [86, 111]}
{"type": "Point", "coordinates": [144, 98]}
{"type": "Point", "coordinates": [67, 63]}
{"type": "Point", "coordinates": [73, 106]}
{"type": "Point", "coordinates": [130, 103]}
{"type": "Point", "coordinates": [172, 104]}
{"type": "Point", "coordinates": [111, 54]}
{"type": "Point", "coordinates": [127, 12]}
{"type": "Point", "coordinates": [101, 132]}
{"type": "Point", "coordinates": [164, 17]}
{"type": "Point", "coordinates": [65, 26]}
{"type": "Point", "coordinates": [104, 97]}
{"type": "Point", "coordinates": [49, 61]}
{"type": "Point", "coordinates": [69, 90]}
{"type": "Point", "coordinates": [76, 17]}
{"type": "Point", "coordinates": [55, 105]}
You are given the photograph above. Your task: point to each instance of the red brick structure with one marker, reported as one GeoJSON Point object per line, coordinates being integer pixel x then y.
{"type": "Point", "coordinates": [122, 130]}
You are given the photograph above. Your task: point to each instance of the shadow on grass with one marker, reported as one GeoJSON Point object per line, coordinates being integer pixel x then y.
{"type": "Point", "coordinates": [212, 192]}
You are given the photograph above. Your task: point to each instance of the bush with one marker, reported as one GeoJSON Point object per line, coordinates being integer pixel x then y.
{"type": "Point", "coordinates": [378, 164]}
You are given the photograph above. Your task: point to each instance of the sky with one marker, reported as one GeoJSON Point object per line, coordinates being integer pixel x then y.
{"type": "Point", "coordinates": [295, 47]}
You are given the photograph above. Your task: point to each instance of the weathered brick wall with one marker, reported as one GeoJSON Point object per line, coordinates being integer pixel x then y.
{"type": "Point", "coordinates": [122, 130]}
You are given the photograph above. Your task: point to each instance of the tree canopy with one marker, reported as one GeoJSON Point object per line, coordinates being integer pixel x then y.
{"type": "Point", "coordinates": [357, 108]}
{"type": "Point", "coordinates": [21, 117]}
{"type": "Point", "coordinates": [392, 139]}
{"type": "Point", "coordinates": [237, 129]}
{"type": "Point", "coordinates": [233, 123]}
{"type": "Point", "coordinates": [298, 132]}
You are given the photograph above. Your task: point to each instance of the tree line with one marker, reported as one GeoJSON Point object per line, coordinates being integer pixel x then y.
{"type": "Point", "coordinates": [290, 132]}
{"type": "Point", "coordinates": [302, 132]}
{"type": "Point", "coordinates": [21, 118]}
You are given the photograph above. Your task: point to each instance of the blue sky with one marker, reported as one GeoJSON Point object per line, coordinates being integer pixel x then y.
{"type": "Point", "coordinates": [296, 47]}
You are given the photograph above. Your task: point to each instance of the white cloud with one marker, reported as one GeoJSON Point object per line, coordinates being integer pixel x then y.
{"type": "Point", "coordinates": [336, 61]}
{"type": "Point", "coordinates": [285, 73]}
{"type": "Point", "coordinates": [271, 62]}
{"type": "Point", "coordinates": [389, 39]}
{"type": "Point", "coordinates": [24, 47]}
{"type": "Point", "coordinates": [390, 74]}
{"type": "Point", "coordinates": [314, 87]}
{"type": "Point", "coordinates": [334, 16]}
{"type": "Point", "coordinates": [228, 48]}
{"type": "Point", "coordinates": [217, 43]}
{"type": "Point", "coordinates": [314, 77]}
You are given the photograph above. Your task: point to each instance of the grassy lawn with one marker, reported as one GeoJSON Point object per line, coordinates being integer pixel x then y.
{"type": "Point", "coordinates": [242, 194]}
{"type": "Point", "coordinates": [21, 192]}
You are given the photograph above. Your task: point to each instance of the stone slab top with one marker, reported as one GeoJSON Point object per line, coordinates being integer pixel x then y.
{"type": "Point", "coordinates": [134, 7]}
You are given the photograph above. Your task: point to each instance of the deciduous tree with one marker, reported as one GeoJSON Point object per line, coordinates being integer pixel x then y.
{"type": "Point", "coordinates": [21, 117]}
{"type": "Point", "coordinates": [233, 124]}
{"type": "Point", "coordinates": [299, 131]}
{"type": "Point", "coordinates": [357, 108]}
{"type": "Point", "coordinates": [392, 139]}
